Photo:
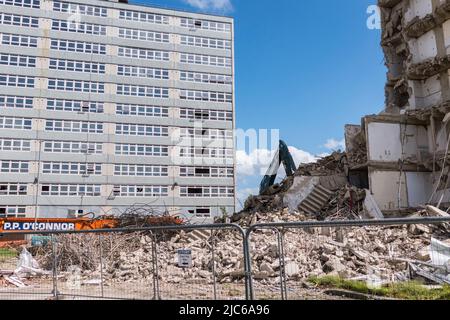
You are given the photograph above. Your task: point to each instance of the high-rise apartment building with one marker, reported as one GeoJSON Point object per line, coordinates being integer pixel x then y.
{"type": "Point", "coordinates": [106, 105]}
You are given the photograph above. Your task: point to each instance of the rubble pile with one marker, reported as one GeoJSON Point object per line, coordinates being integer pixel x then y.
{"type": "Point", "coordinates": [387, 253]}
{"type": "Point", "coordinates": [330, 165]}
{"type": "Point", "coordinates": [337, 198]}
{"type": "Point", "coordinates": [349, 253]}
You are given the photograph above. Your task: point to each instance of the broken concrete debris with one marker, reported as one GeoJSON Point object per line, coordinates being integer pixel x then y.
{"type": "Point", "coordinates": [319, 190]}
{"type": "Point", "coordinates": [387, 253]}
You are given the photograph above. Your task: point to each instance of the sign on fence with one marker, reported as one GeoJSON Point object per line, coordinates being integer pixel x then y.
{"type": "Point", "coordinates": [184, 258]}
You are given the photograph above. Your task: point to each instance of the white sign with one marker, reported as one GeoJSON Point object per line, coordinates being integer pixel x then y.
{"type": "Point", "coordinates": [185, 258]}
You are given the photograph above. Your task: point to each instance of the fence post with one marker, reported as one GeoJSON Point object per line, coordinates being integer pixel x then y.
{"type": "Point", "coordinates": [156, 293]}
{"type": "Point", "coordinates": [101, 263]}
{"type": "Point", "coordinates": [54, 269]}
{"type": "Point", "coordinates": [248, 266]}
{"type": "Point", "coordinates": [213, 238]}
{"type": "Point", "coordinates": [281, 259]}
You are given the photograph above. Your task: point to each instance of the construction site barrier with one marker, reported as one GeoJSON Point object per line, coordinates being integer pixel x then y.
{"type": "Point", "coordinates": [376, 251]}
{"type": "Point", "coordinates": [161, 262]}
{"type": "Point", "coordinates": [220, 261]}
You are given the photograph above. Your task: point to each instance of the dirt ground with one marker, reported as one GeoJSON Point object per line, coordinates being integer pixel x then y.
{"type": "Point", "coordinates": [42, 290]}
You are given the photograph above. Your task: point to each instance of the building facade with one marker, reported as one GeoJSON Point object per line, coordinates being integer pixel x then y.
{"type": "Point", "coordinates": [106, 105]}
{"type": "Point", "coordinates": [407, 145]}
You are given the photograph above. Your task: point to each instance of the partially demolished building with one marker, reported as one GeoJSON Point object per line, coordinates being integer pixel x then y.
{"type": "Point", "coordinates": [401, 154]}
{"type": "Point", "coordinates": [395, 162]}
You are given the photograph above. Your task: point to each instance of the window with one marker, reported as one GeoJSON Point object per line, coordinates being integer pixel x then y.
{"type": "Point", "coordinates": [207, 192]}
{"type": "Point", "coordinates": [22, 3]}
{"type": "Point", "coordinates": [141, 130]}
{"type": "Point", "coordinates": [143, 35]}
{"type": "Point", "coordinates": [140, 170]}
{"type": "Point", "coordinates": [13, 189]}
{"type": "Point", "coordinates": [205, 114]}
{"type": "Point", "coordinates": [210, 96]}
{"type": "Point", "coordinates": [15, 145]}
{"type": "Point", "coordinates": [206, 172]}
{"type": "Point", "coordinates": [12, 211]}
{"type": "Point", "coordinates": [143, 17]}
{"type": "Point", "coordinates": [7, 166]}
{"type": "Point", "coordinates": [16, 81]}
{"type": "Point", "coordinates": [73, 147]}
{"type": "Point", "coordinates": [71, 190]}
{"type": "Point", "coordinates": [142, 91]}
{"type": "Point", "coordinates": [202, 152]}
{"type": "Point", "coordinates": [16, 102]}
{"type": "Point", "coordinates": [72, 168]}
{"type": "Point", "coordinates": [205, 60]}
{"type": "Point", "coordinates": [143, 54]}
{"type": "Point", "coordinates": [206, 133]}
{"type": "Point", "coordinates": [74, 106]}
{"type": "Point", "coordinates": [78, 66]}
{"type": "Point", "coordinates": [79, 8]}
{"type": "Point", "coordinates": [138, 110]}
{"type": "Point", "coordinates": [79, 27]}
{"type": "Point", "coordinates": [78, 46]}
{"type": "Point", "coordinates": [18, 40]}
{"type": "Point", "coordinates": [17, 20]}
{"type": "Point", "coordinates": [142, 72]}
{"type": "Point", "coordinates": [205, 42]}
{"type": "Point", "coordinates": [200, 212]}
{"type": "Point", "coordinates": [141, 150]}
{"type": "Point", "coordinates": [17, 60]}
{"type": "Point", "coordinates": [205, 77]}
{"type": "Point", "coordinates": [205, 25]}
{"type": "Point", "coordinates": [141, 191]}
{"type": "Point", "coordinates": [15, 123]}
{"type": "Point", "coordinates": [73, 126]}
{"type": "Point", "coordinates": [76, 85]}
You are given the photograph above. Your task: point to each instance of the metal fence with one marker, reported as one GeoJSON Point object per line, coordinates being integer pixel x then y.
{"type": "Point", "coordinates": [376, 252]}
{"type": "Point", "coordinates": [222, 261]}
{"type": "Point", "coordinates": [137, 264]}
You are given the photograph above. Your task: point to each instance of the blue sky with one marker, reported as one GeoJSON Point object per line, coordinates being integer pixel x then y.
{"type": "Point", "coordinates": [304, 67]}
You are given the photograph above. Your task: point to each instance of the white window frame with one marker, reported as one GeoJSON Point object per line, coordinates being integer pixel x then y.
{"type": "Point", "coordinates": [79, 27]}
{"type": "Point", "coordinates": [78, 46]}
{"type": "Point", "coordinates": [143, 35]}
{"type": "Point", "coordinates": [75, 147]}
{"type": "Point", "coordinates": [142, 91]}
{"type": "Point", "coordinates": [14, 166]}
{"type": "Point", "coordinates": [140, 53]}
{"type": "Point", "coordinates": [74, 126]}
{"type": "Point", "coordinates": [16, 102]}
{"type": "Point", "coordinates": [141, 110]}
{"type": "Point", "coordinates": [77, 66]}
{"type": "Point", "coordinates": [141, 130]}
{"type": "Point", "coordinates": [124, 149]}
{"type": "Point", "coordinates": [74, 106]}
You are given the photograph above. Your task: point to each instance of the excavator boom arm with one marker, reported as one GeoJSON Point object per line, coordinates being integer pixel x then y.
{"type": "Point", "coordinates": [281, 156]}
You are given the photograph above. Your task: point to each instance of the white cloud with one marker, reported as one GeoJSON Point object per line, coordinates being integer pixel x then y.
{"type": "Point", "coordinates": [333, 144]}
{"type": "Point", "coordinates": [216, 5]}
{"type": "Point", "coordinates": [257, 162]}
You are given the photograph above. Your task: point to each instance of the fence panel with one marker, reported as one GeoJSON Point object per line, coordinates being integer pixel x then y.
{"type": "Point", "coordinates": [136, 264]}
{"type": "Point", "coordinates": [20, 276]}
{"type": "Point", "coordinates": [310, 261]}
{"type": "Point", "coordinates": [217, 270]}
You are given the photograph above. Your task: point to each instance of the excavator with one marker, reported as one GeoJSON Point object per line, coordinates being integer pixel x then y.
{"type": "Point", "coordinates": [281, 156]}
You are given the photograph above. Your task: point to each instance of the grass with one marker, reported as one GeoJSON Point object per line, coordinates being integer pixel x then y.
{"type": "Point", "coordinates": [6, 253]}
{"type": "Point", "coordinates": [411, 290]}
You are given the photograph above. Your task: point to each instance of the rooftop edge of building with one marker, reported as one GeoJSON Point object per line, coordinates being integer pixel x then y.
{"type": "Point", "coordinates": [139, 4]}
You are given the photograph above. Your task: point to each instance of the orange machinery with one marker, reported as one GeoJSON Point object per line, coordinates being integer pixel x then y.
{"type": "Point", "coordinates": [9, 226]}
